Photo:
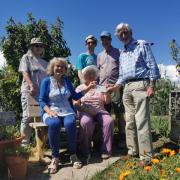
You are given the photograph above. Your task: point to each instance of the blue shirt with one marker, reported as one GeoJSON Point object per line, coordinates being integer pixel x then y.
{"type": "Point", "coordinates": [137, 62]}
{"type": "Point", "coordinates": [85, 60]}
{"type": "Point", "coordinates": [58, 100]}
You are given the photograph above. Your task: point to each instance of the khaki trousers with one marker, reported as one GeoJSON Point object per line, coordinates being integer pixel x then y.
{"type": "Point", "coordinates": [138, 128]}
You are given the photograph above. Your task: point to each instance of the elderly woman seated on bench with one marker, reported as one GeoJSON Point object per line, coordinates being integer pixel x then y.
{"type": "Point", "coordinates": [56, 94]}
{"type": "Point", "coordinates": [91, 110]}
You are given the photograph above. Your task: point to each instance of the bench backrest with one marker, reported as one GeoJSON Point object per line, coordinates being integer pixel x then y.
{"type": "Point", "coordinates": [33, 107]}
{"type": "Point", "coordinates": [7, 118]}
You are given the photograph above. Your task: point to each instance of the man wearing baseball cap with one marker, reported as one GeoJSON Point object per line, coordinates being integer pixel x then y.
{"type": "Point", "coordinates": [108, 64]}
{"type": "Point", "coordinates": [87, 58]}
{"type": "Point", "coordinates": [138, 73]}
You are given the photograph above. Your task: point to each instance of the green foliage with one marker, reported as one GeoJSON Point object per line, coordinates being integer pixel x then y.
{"type": "Point", "coordinates": [175, 51]}
{"type": "Point", "coordinates": [15, 44]}
{"type": "Point", "coordinates": [9, 132]}
{"type": "Point", "coordinates": [160, 125]}
{"type": "Point", "coordinates": [18, 151]}
{"type": "Point", "coordinates": [160, 101]}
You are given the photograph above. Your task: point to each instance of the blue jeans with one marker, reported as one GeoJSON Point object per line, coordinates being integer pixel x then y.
{"type": "Point", "coordinates": [54, 126]}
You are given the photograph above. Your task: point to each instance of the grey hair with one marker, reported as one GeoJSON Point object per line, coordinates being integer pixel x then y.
{"type": "Point", "coordinates": [54, 60]}
{"type": "Point", "coordinates": [123, 25]}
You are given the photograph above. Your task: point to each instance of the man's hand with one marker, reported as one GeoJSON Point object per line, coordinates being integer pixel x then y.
{"type": "Point", "coordinates": [113, 88]}
{"type": "Point", "coordinates": [150, 92]}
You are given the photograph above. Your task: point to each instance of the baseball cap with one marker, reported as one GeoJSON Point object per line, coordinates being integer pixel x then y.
{"type": "Point", "coordinates": [105, 34]}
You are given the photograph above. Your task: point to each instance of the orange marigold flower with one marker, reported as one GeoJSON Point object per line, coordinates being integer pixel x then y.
{"type": "Point", "coordinates": [172, 153]}
{"type": "Point", "coordinates": [148, 168]}
{"type": "Point", "coordinates": [162, 172]}
{"type": "Point", "coordinates": [124, 174]}
{"type": "Point", "coordinates": [165, 151]}
{"type": "Point", "coordinates": [155, 161]}
{"type": "Point", "coordinates": [177, 169]}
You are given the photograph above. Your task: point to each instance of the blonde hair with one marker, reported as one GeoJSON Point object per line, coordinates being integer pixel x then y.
{"type": "Point", "coordinates": [54, 60]}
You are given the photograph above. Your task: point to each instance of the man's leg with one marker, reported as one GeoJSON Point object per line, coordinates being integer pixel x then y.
{"type": "Point", "coordinates": [131, 133]}
{"type": "Point", "coordinates": [143, 123]}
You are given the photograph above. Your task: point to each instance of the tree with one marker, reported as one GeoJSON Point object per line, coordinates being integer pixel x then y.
{"type": "Point", "coordinates": [15, 44]}
{"type": "Point", "coordinates": [175, 51]}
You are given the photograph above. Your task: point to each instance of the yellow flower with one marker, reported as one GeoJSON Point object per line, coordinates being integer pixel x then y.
{"type": "Point", "coordinates": [155, 161]}
{"type": "Point", "coordinates": [172, 153]}
{"type": "Point", "coordinates": [177, 169]}
{"type": "Point", "coordinates": [148, 168]}
{"type": "Point", "coordinates": [124, 174]}
{"type": "Point", "coordinates": [129, 164]}
{"type": "Point", "coordinates": [165, 151]}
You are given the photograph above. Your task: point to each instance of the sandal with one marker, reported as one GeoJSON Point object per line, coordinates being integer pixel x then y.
{"type": "Point", "coordinates": [53, 167]}
{"type": "Point", "coordinates": [77, 164]}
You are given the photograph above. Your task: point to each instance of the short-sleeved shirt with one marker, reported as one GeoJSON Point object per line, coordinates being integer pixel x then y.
{"type": "Point", "coordinates": [93, 99]}
{"type": "Point", "coordinates": [36, 68]}
{"type": "Point", "coordinates": [108, 64]}
{"type": "Point", "coordinates": [85, 60]}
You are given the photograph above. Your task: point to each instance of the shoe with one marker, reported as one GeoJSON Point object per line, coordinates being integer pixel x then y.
{"type": "Point", "coordinates": [77, 164]}
{"type": "Point", "coordinates": [105, 156]}
{"type": "Point", "coordinates": [53, 167]}
{"type": "Point", "coordinates": [129, 156]}
{"type": "Point", "coordinates": [144, 162]}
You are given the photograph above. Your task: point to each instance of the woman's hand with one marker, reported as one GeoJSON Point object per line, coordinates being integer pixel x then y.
{"type": "Point", "coordinates": [90, 86]}
{"type": "Point", "coordinates": [52, 113]}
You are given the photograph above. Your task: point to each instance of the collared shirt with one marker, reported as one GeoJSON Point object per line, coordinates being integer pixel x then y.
{"type": "Point", "coordinates": [137, 62]}
{"type": "Point", "coordinates": [36, 68]}
{"type": "Point", "coordinates": [108, 64]}
{"type": "Point", "coordinates": [85, 59]}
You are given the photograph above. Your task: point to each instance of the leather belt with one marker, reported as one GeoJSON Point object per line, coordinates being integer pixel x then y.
{"type": "Point", "coordinates": [135, 80]}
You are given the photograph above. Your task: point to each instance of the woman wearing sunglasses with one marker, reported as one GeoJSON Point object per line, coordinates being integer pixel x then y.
{"type": "Point", "coordinates": [33, 68]}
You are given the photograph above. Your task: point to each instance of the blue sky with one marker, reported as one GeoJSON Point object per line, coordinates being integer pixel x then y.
{"type": "Point", "coordinates": [156, 21]}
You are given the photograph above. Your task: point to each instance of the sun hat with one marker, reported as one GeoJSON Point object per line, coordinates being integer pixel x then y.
{"type": "Point", "coordinates": [91, 37]}
{"type": "Point", "coordinates": [36, 41]}
{"type": "Point", "coordinates": [90, 68]}
{"type": "Point", "coordinates": [105, 34]}
{"type": "Point", "coordinates": [122, 25]}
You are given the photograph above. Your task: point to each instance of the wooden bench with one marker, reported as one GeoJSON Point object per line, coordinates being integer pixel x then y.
{"type": "Point", "coordinates": [40, 128]}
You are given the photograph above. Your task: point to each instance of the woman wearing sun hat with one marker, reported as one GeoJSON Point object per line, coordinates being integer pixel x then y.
{"type": "Point", "coordinates": [33, 68]}
{"type": "Point", "coordinates": [91, 109]}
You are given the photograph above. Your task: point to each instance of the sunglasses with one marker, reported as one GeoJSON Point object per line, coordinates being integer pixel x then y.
{"type": "Point", "coordinates": [38, 46]}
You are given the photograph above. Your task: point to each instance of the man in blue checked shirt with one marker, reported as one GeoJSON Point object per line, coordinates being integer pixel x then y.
{"type": "Point", "coordinates": [138, 73]}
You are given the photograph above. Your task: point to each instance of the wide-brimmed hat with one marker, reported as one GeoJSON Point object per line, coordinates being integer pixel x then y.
{"type": "Point", "coordinates": [36, 41]}
{"type": "Point", "coordinates": [89, 69]}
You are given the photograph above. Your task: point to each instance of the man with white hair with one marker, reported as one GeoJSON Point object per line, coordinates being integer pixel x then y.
{"type": "Point", "coordinates": [138, 73]}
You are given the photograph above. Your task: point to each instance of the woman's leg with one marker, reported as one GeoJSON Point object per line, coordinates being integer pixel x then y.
{"type": "Point", "coordinates": [70, 126]}
{"type": "Point", "coordinates": [86, 132]}
{"type": "Point", "coordinates": [54, 125]}
{"type": "Point", "coordinates": [25, 128]}
{"type": "Point", "coordinates": [106, 122]}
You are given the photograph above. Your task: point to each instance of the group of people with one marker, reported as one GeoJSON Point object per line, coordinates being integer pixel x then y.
{"type": "Point", "coordinates": [118, 80]}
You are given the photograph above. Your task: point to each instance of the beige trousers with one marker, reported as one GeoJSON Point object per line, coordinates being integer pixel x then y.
{"type": "Point", "coordinates": [138, 128]}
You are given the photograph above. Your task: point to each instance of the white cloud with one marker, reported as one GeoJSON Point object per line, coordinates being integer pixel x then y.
{"type": "Point", "coordinates": [169, 72]}
{"type": "Point", "coordinates": [2, 60]}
